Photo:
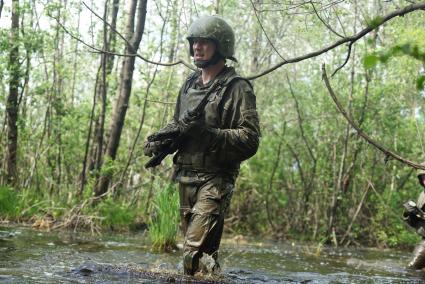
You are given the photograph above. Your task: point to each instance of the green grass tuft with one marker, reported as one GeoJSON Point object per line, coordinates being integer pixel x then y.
{"type": "Point", "coordinates": [163, 227]}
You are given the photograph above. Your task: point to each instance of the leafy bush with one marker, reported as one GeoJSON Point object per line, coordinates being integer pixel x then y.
{"type": "Point", "coordinates": [115, 213]}
{"type": "Point", "coordinates": [8, 202]}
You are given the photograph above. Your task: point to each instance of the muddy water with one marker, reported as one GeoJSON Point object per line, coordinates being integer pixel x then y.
{"type": "Point", "coordinates": [29, 256]}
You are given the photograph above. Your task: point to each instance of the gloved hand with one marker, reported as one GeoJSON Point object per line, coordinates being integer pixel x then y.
{"type": "Point", "coordinates": [410, 207]}
{"type": "Point", "coordinates": [155, 147]}
{"type": "Point", "coordinates": [191, 124]}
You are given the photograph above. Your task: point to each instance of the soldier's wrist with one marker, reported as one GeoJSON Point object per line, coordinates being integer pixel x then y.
{"type": "Point", "coordinates": [214, 131]}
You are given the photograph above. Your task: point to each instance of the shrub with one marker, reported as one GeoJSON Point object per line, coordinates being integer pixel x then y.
{"type": "Point", "coordinates": [8, 202]}
{"type": "Point", "coordinates": [115, 213]}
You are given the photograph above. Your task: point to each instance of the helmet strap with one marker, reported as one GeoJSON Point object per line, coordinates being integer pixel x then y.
{"type": "Point", "coordinates": [206, 63]}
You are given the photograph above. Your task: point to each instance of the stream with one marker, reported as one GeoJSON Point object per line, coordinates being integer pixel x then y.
{"type": "Point", "coordinates": [33, 256]}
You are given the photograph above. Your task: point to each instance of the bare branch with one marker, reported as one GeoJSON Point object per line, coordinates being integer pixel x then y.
{"type": "Point", "coordinates": [300, 121]}
{"type": "Point", "coordinates": [128, 42]}
{"type": "Point", "coordinates": [161, 102]}
{"type": "Point", "coordinates": [346, 59]}
{"type": "Point", "coordinates": [295, 6]}
{"type": "Point", "coordinates": [339, 21]}
{"type": "Point", "coordinates": [181, 61]}
{"type": "Point", "coordinates": [95, 49]}
{"type": "Point", "coordinates": [264, 31]}
{"type": "Point", "coordinates": [351, 40]}
{"type": "Point", "coordinates": [99, 50]}
{"type": "Point", "coordinates": [359, 207]}
{"type": "Point", "coordinates": [360, 132]}
{"type": "Point", "coordinates": [323, 21]}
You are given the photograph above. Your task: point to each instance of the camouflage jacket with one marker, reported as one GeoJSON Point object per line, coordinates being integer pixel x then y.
{"type": "Point", "coordinates": [232, 127]}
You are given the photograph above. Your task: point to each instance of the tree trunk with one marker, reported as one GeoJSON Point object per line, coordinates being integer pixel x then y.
{"type": "Point", "coordinates": [124, 90]}
{"type": "Point", "coordinates": [105, 69]}
{"type": "Point", "coordinates": [12, 99]}
{"type": "Point", "coordinates": [107, 65]}
{"type": "Point", "coordinates": [58, 82]}
{"type": "Point", "coordinates": [1, 6]}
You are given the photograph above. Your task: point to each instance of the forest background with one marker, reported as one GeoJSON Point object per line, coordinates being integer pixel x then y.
{"type": "Point", "coordinates": [79, 95]}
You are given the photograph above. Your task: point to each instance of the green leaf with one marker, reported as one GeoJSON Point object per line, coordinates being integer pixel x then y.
{"type": "Point", "coordinates": [406, 49]}
{"type": "Point", "coordinates": [384, 58]}
{"type": "Point", "coordinates": [369, 61]}
{"type": "Point", "coordinates": [375, 22]}
{"type": "Point", "coordinates": [420, 82]}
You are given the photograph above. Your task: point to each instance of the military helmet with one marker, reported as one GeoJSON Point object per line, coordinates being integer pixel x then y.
{"type": "Point", "coordinates": [216, 29]}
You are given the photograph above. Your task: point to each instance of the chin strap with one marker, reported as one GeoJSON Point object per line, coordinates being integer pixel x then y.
{"type": "Point", "coordinates": [212, 61]}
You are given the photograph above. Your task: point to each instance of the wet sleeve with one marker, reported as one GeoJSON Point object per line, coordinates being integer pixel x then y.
{"type": "Point", "coordinates": [238, 139]}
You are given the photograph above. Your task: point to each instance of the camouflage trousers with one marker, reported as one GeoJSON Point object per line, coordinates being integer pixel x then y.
{"type": "Point", "coordinates": [418, 259]}
{"type": "Point", "coordinates": [204, 201]}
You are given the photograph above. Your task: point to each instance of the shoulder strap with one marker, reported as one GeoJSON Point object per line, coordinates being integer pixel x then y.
{"type": "Point", "coordinates": [199, 109]}
{"type": "Point", "coordinates": [229, 81]}
{"type": "Point", "coordinates": [189, 81]}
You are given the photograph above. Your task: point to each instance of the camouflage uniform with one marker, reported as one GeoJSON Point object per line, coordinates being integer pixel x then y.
{"type": "Point", "coordinates": [207, 164]}
{"type": "Point", "coordinates": [211, 144]}
{"type": "Point", "coordinates": [414, 217]}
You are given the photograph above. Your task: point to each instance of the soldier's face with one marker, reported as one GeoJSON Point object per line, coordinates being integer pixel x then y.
{"type": "Point", "coordinates": [203, 49]}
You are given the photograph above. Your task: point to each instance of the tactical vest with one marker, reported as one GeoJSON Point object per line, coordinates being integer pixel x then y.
{"type": "Point", "coordinates": [195, 154]}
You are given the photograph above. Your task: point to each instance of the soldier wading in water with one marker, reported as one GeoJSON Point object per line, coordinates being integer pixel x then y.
{"type": "Point", "coordinates": [215, 143]}
{"type": "Point", "coordinates": [414, 216]}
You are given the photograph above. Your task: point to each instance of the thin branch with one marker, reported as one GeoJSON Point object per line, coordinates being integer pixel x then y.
{"type": "Point", "coordinates": [346, 59]}
{"type": "Point", "coordinates": [339, 21]}
{"type": "Point", "coordinates": [360, 132]}
{"type": "Point", "coordinates": [128, 43]}
{"type": "Point", "coordinates": [323, 21]}
{"type": "Point", "coordinates": [352, 39]}
{"type": "Point", "coordinates": [300, 121]}
{"type": "Point", "coordinates": [359, 207]}
{"type": "Point", "coordinates": [264, 31]}
{"type": "Point", "coordinates": [160, 102]}
{"type": "Point", "coordinates": [1, 6]}
{"type": "Point", "coordinates": [96, 49]}
{"type": "Point", "coordinates": [196, 9]}
{"type": "Point", "coordinates": [271, 180]}
{"type": "Point", "coordinates": [86, 151]}
{"type": "Point", "coordinates": [99, 50]}
{"type": "Point", "coordinates": [298, 5]}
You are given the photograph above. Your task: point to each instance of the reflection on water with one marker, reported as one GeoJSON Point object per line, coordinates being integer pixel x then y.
{"type": "Point", "coordinates": [54, 257]}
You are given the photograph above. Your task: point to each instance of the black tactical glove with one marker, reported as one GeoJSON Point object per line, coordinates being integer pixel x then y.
{"type": "Point", "coordinates": [191, 124]}
{"type": "Point", "coordinates": [409, 214]}
{"type": "Point", "coordinates": [155, 147]}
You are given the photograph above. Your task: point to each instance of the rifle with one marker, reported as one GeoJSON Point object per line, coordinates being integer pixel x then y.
{"type": "Point", "coordinates": [172, 131]}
